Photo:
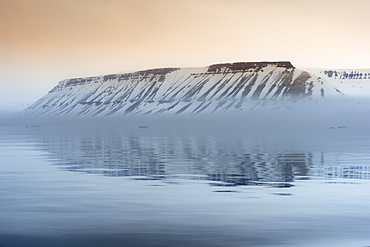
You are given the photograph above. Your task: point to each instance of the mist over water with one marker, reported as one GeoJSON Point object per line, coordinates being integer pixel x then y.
{"type": "Point", "coordinates": [266, 178]}
{"type": "Point", "coordinates": [349, 111]}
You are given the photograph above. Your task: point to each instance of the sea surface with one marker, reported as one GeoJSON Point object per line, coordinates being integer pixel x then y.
{"type": "Point", "coordinates": [157, 185]}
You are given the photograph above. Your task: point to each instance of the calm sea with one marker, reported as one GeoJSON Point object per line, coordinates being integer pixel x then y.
{"type": "Point", "coordinates": [154, 185]}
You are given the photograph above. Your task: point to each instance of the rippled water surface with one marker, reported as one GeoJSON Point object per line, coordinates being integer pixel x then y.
{"type": "Point", "coordinates": [121, 185]}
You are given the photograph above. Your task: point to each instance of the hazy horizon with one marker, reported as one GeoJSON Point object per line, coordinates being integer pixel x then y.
{"type": "Point", "coordinates": [236, 155]}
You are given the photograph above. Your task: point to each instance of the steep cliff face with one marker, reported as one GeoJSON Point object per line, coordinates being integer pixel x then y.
{"type": "Point", "coordinates": [213, 89]}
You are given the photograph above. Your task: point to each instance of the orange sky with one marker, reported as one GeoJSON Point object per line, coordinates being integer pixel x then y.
{"type": "Point", "coordinates": [45, 41]}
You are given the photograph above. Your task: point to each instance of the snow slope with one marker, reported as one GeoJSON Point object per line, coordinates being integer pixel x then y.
{"type": "Point", "coordinates": [350, 82]}
{"type": "Point", "coordinates": [213, 89]}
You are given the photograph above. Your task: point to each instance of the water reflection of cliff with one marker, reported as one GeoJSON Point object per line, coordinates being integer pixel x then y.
{"type": "Point", "coordinates": [226, 161]}
{"type": "Point", "coordinates": [234, 161]}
